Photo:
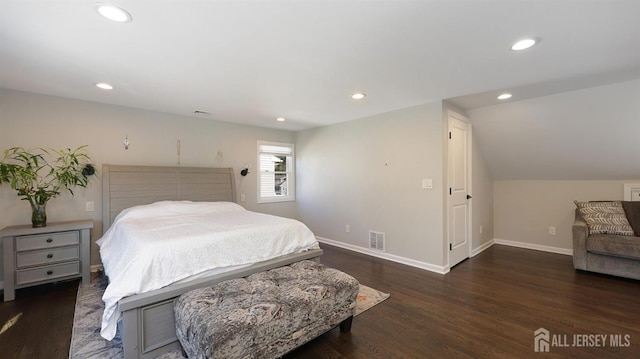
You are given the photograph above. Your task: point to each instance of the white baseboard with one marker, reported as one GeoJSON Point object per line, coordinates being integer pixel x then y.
{"type": "Point", "coordinates": [392, 257]}
{"type": "Point", "coordinates": [537, 247]}
{"type": "Point", "coordinates": [483, 247]}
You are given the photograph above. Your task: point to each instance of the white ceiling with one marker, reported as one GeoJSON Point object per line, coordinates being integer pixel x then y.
{"type": "Point", "coordinates": [252, 61]}
{"type": "Point", "coordinates": [587, 134]}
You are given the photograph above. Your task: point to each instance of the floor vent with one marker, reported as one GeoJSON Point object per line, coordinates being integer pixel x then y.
{"type": "Point", "coordinates": [376, 240]}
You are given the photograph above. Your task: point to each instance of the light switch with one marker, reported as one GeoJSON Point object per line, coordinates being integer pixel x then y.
{"type": "Point", "coordinates": [427, 183]}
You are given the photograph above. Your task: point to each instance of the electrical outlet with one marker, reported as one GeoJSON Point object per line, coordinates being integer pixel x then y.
{"type": "Point", "coordinates": [347, 228]}
{"type": "Point", "coordinates": [552, 230]}
{"type": "Point", "coordinates": [480, 229]}
{"type": "Point", "coordinates": [89, 206]}
{"type": "Point", "coordinates": [243, 197]}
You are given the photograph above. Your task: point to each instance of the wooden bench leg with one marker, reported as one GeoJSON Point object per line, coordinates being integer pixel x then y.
{"type": "Point", "coordinates": [345, 326]}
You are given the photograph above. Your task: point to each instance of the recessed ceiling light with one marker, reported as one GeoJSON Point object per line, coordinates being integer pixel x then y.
{"type": "Point", "coordinates": [504, 96]}
{"type": "Point", "coordinates": [281, 119]}
{"type": "Point", "coordinates": [358, 96]}
{"type": "Point", "coordinates": [523, 44]}
{"type": "Point", "coordinates": [104, 86]}
{"type": "Point", "coordinates": [113, 13]}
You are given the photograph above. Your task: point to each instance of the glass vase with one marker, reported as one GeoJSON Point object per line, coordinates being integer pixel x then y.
{"type": "Point", "coordinates": [39, 215]}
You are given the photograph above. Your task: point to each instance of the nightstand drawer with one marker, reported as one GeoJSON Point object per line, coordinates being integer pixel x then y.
{"type": "Point", "coordinates": [46, 256]}
{"type": "Point", "coordinates": [38, 274]}
{"type": "Point", "coordinates": [47, 240]}
{"type": "Point", "coordinates": [35, 256]}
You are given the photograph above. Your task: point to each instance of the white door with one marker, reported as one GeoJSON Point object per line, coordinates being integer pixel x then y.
{"type": "Point", "coordinates": [459, 180]}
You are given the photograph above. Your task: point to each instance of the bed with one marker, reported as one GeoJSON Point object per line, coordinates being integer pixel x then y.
{"type": "Point", "coordinates": [147, 327]}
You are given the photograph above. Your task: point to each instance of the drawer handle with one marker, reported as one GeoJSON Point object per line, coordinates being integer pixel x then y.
{"type": "Point", "coordinates": [49, 272]}
{"type": "Point", "coordinates": [50, 255]}
{"type": "Point", "coordinates": [49, 240]}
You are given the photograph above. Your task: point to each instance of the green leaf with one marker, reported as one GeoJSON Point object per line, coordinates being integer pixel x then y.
{"type": "Point", "coordinates": [41, 174]}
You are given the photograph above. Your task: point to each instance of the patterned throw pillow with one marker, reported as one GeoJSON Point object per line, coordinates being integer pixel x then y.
{"type": "Point", "coordinates": [605, 217]}
{"type": "Point", "coordinates": [632, 210]}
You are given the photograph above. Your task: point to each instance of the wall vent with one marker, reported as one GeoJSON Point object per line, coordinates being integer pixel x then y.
{"type": "Point", "coordinates": [376, 240]}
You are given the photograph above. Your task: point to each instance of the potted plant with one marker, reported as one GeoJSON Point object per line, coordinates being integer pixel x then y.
{"type": "Point", "coordinates": [41, 174]}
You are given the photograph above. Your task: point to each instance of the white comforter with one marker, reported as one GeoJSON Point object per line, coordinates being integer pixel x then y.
{"type": "Point", "coordinates": [149, 247]}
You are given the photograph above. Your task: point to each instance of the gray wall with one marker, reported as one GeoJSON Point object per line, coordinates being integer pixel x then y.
{"type": "Point", "coordinates": [367, 173]}
{"type": "Point", "coordinates": [548, 151]}
{"type": "Point", "coordinates": [482, 203]}
{"type": "Point", "coordinates": [30, 120]}
{"type": "Point", "coordinates": [524, 210]}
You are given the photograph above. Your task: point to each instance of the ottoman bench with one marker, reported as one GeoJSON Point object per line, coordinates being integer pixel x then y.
{"type": "Point", "coordinates": [266, 314]}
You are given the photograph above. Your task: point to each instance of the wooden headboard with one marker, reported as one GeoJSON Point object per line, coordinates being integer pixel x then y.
{"type": "Point", "coordinates": [128, 186]}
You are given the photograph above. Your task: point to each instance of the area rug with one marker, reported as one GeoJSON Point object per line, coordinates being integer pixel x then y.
{"type": "Point", "coordinates": [86, 341]}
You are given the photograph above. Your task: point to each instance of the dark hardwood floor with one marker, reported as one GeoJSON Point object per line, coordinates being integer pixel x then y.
{"type": "Point", "coordinates": [38, 323]}
{"type": "Point", "coordinates": [487, 307]}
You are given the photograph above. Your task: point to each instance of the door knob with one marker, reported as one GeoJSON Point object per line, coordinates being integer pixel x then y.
{"type": "Point", "coordinates": [468, 196]}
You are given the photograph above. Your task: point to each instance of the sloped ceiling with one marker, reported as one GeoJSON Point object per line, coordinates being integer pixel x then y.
{"type": "Point", "coordinates": [587, 134]}
{"type": "Point", "coordinates": [252, 61]}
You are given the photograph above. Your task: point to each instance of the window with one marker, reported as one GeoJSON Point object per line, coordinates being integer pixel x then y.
{"type": "Point", "coordinates": [276, 181]}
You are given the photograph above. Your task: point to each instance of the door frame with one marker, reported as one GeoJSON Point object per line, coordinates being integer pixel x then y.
{"type": "Point", "coordinates": [458, 116]}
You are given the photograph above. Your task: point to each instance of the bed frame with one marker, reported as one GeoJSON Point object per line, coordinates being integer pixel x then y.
{"type": "Point", "coordinates": [148, 326]}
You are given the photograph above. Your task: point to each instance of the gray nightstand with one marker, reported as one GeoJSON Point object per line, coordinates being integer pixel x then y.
{"type": "Point", "coordinates": [34, 256]}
